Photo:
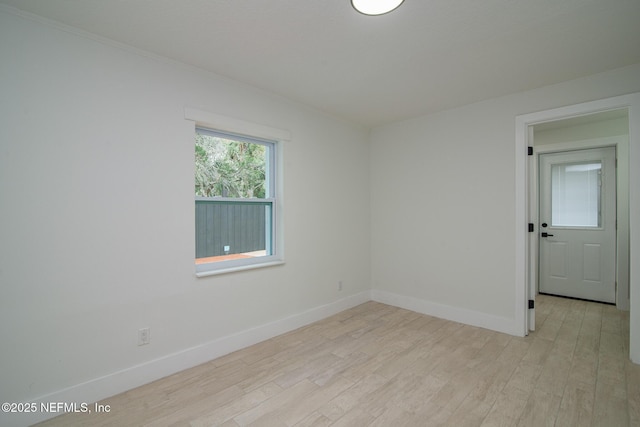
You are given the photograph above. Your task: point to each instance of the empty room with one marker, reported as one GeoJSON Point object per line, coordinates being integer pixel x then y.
{"type": "Point", "coordinates": [313, 213]}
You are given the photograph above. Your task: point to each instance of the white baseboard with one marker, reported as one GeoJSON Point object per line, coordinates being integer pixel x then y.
{"type": "Point", "coordinates": [456, 314]}
{"type": "Point", "coordinates": [117, 382]}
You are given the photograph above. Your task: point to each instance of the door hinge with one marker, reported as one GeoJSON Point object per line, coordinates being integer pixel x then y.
{"type": "Point", "coordinates": [529, 151]}
{"type": "Point", "coordinates": [532, 303]}
{"type": "Point", "coordinates": [530, 227]}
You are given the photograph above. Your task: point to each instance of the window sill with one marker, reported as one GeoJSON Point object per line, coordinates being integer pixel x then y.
{"type": "Point", "coordinates": [238, 268]}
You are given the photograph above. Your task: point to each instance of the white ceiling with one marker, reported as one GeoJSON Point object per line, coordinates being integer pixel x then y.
{"type": "Point", "coordinates": [426, 56]}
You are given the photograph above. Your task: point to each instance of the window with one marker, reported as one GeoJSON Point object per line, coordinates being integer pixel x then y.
{"type": "Point", "coordinates": [575, 194]}
{"type": "Point", "coordinates": [235, 201]}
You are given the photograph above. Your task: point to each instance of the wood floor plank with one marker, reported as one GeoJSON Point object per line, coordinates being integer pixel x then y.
{"type": "Point", "coordinates": [354, 418]}
{"type": "Point", "coordinates": [224, 413]}
{"type": "Point", "coordinates": [300, 408]}
{"type": "Point", "coordinates": [378, 365]}
{"type": "Point", "coordinates": [287, 397]}
{"type": "Point", "coordinates": [358, 394]}
{"type": "Point", "coordinates": [493, 378]}
{"type": "Point", "coordinates": [471, 412]}
{"type": "Point", "coordinates": [507, 409]}
{"type": "Point", "coordinates": [610, 411]}
{"type": "Point", "coordinates": [314, 419]}
{"type": "Point", "coordinates": [554, 375]}
{"type": "Point", "coordinates": [576, 407]}
{"type": "Point", "coordinates": [541, 410]}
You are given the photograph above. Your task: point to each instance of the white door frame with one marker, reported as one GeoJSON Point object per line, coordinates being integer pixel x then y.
{"type": "Point", "coordinates": [522, 198]}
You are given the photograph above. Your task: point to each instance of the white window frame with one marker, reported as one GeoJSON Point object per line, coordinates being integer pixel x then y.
{"type": "Point", "coordinates": [253, 133]}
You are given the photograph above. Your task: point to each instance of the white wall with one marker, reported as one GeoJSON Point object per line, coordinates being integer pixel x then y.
{"type": "Point", "coordinates": [443, 202]}
{"type": "Point", "coordinates": [97, 218]}
{"type": "Point", "coordinates": [583, 131]}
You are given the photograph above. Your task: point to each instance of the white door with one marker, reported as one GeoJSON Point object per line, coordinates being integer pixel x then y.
{"type": "Point", "coordinates": [577, 228]}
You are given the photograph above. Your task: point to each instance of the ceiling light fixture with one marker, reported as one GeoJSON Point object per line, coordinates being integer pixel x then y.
{"type": "Point", "coordinates": [375, 7]}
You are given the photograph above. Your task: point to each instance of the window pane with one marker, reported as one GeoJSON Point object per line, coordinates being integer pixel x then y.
{"type": "Point", "coordinates": [575, 194]}
{"type": "Point", "coordinates": [230, 167]}
{"type": "Point", "coordinates": [230, 230]}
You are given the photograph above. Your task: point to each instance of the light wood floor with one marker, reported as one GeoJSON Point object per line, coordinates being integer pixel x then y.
{"type": "Point", "coordinates": [377, 365]}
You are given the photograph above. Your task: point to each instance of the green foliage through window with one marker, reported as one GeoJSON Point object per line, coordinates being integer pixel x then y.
{"type": "Point", "coordinates": [229, 168]}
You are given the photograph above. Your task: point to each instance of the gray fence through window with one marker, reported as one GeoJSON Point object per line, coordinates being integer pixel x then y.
{"type": "Point", "coordinates": [232, 227]}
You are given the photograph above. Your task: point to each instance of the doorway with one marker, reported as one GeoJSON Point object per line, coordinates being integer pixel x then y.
{"type": "Point", "coordinates": [525, 245]}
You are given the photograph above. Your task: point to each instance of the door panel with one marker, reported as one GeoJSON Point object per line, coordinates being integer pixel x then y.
{"type": "Point", "coordinates": [558, 260]}
{"type": "Point", "coordinates": [577, 223]}
{"type": "Point", "coordinates": [592, 261]}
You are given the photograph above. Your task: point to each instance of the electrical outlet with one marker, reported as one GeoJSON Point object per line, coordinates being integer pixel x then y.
{"type": "Point", "coordinates": [144, 336]}
{"type": "Point", "coordinates": [339, 285]}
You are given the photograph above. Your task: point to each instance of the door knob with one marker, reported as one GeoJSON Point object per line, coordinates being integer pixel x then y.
{"type": "Point", "coordinates": [547, 235]}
